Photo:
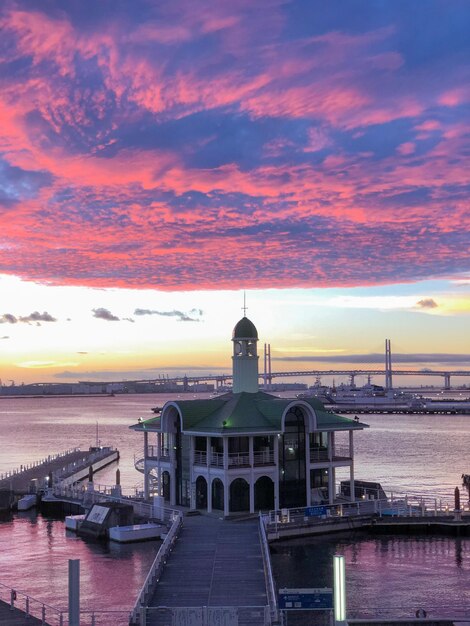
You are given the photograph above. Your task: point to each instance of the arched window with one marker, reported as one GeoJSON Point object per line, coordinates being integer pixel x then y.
{"type": "Point", "coordinates": [292, 462]}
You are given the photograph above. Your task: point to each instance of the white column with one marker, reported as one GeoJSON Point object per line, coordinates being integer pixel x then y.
{"type": "Point", "coordinates": [172, 486]}
{"type": "Point", "coordinates": [192, 483]}
{"type": "Point", "coordinates": [146, 481]}
{"type": "Point", "coordinates": [276, 439]}
{"type": "Point", "coordinates": [331, 484]}
{"type": "Point", "coordinates": [251, 457]}
{"type": "Point", "coordinates": [352, 489]}
{"type": "Point", "coordinates": [307, 469]}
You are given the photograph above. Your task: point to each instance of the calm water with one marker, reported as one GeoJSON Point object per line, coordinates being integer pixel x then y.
{"type": "Point", "coordinates": [407, 453]}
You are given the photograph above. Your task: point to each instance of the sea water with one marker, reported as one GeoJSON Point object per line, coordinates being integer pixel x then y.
{"type": "Point", "coordinates": [423, 454]}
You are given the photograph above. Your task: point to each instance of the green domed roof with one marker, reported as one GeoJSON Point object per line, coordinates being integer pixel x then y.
{"type": "Point", "coordinates": [245, 329]}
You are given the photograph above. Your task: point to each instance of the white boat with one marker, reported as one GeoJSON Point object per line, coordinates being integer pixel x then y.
{"type": "Point", "coordinates": [27, 502]}
{"type": "Point", "coordinates": [72, 522]}
{"type": "Point", "coordinates": [136, 532]}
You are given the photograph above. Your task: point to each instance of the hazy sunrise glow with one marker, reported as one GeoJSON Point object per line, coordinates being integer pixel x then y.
{"type": "Point", "coordinates": [156, 159]}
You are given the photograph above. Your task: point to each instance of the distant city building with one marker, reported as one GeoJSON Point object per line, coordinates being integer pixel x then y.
{"type": "Point", "coordinates": [246, 450]}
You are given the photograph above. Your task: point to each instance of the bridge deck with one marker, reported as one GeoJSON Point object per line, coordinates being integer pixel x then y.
{"type": "Point", "coordinates": [214, 563]}
{"type": "Point", "coordinates": [19, 482]}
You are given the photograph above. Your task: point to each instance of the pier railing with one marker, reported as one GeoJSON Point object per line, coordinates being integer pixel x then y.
{"type": "Point", "coordinates": [156, 570]}
{"type": "Point", "coordinates": [394, 505]}
{"type": "Point", "coordinates": [207, 615]}
{"type": "Point", "coordinates": [30, 606]}
{"type": "Point", "coordinates": [39, 463]}
{"type": "Point", "coordinates": [268, 573]}
{"type": "Point", "coordinates": [53, 616]}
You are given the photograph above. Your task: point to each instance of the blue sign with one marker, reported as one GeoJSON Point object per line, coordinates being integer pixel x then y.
{"type": "Point", "coordinates": [315, 511]}
{"type": "Point", "coordinates": [305, 599]}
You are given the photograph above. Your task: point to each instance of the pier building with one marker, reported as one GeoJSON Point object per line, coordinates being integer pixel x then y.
{"type": "Point", "coordinates": [246, 450]}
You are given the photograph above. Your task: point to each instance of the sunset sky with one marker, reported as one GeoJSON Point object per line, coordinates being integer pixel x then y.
{"type": "Point", "coordinates": [159, 158]}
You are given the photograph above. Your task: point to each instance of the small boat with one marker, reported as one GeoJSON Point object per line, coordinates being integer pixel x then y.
{"type": "Point", "coordinates": [136, 532]}
{"type": "Point", "coordinates": [27, 502]}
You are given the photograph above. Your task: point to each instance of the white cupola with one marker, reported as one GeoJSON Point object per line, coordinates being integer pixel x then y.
{"type": "Point", "coordinates": [245, 357]}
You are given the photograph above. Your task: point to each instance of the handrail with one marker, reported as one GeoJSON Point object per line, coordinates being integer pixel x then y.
{"type": "Point", "coordinates": [397, 505]}
{"type": "Point", "coordinates": [270, 585]}
{"type": "Point", "coordinates": [33, 464]}
{"type": "Point", "coordinates": [156, 568]}
{"type": "Point", "coordinates": [14, 595]}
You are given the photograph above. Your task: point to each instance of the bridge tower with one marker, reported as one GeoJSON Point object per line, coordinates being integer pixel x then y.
{"type": "Point", "coordinates": [388, 365]}
{"type": "Point", "coordinates": [267, 366]}
{"type": "Point", "coordinates": [446, 381]}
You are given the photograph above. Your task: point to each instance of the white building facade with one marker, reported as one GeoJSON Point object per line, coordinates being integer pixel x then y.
{"type": "Point", "coordinates": [246, 450]}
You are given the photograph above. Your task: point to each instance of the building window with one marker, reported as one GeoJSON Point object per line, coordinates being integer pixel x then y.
{"type": "Point", "coordinates": [292, 479]}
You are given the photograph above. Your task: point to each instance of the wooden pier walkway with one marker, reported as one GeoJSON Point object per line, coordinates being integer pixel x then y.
{"type": "Point", "coordinates": [214, 563]}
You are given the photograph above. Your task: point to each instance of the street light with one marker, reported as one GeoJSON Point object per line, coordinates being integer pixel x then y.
{"type": "Point", "coordinates": [339, 575]}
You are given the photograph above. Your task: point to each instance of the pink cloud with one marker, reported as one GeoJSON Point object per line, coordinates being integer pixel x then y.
{"type": "Point", "coordinates": [406, 148]}
{"type": "Point", "coordinates": [255, 154]}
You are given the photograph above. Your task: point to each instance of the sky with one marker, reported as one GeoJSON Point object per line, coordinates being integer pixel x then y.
{"type": "Point", "coordinates": [158, 159]}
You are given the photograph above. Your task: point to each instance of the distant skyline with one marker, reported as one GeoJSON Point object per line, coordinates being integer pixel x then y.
{"type": "Point", "coordinates": [157, 159]}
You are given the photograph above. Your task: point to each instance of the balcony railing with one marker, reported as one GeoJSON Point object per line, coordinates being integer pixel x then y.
{"type": "Point", "coordinates": [322, 454]}
{"type": "Point", "coordinates": [152, 453]}
{"type": "Point", "coordinates": [235, 459]}
{"type": "Point", "coordinates": [265, 457]}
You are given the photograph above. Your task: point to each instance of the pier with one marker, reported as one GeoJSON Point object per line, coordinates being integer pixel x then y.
{"type": "Point", "coordinates": [216, 567]}
{"type": "Point", "coordinates": [65, 468]}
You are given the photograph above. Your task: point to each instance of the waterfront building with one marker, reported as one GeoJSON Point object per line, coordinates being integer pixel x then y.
{"type": "Point", "coordinates": [246, 450]}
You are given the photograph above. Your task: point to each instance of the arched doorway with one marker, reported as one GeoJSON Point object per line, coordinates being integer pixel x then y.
{"type": "Point", "coordinates": [166, 486]}
{"type": "Point", "coordinates": [217, 494]}
{"type": "Point", "coordinates": [292, 477]}
{"type": "Point", "coordinates": [201, 493]}
{"type": "Point", "coordinates": [239, 495]}
{"type": "Point", "coordinates": [264, 494]}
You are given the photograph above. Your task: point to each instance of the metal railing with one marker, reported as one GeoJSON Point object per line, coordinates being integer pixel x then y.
{"type": "Point", "coordinates": [322, 454]}
{"type": "Point", "coordinates": [234, 459]}
{"type": "Point", "coordinates": [268, 572]}
{"type": "Point", "coordinates": [156, 570]}
{"type": "Point", "coordinates": [265, 457]}
{"type": "Point", "coordinates": [31, 606]}
{"type": "Point", "coordinates": [393, 505]}
{"type": "Point", "coordinates": [40, 463]}
{"type": "Point", "coordinates": [207, 615]}
{"type": "Point", "coordinates": [153, 453]}
{"type": "Point", "coordinates": [79, 465]}
{"type": "Point", "coordinates": [53, 616]}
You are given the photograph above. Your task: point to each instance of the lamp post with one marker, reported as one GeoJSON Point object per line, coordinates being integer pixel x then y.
{"type": "Point", "coordinates": [339, 576]}
{"type": "Point", "coordinates": [74, 592]}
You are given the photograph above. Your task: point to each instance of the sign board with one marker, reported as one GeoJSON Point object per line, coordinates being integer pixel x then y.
{"type": "Point", "coordinates": [313, 511]}
{"type": "Point", "coordinates": [306, 599]}
{"type": "Point", "coordinates": [98, 514]}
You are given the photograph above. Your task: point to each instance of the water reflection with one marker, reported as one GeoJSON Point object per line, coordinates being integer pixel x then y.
{"type": "Point", "coordinates": [35, 553]}
{"type": "Point", "coordinates": [396, 573]}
